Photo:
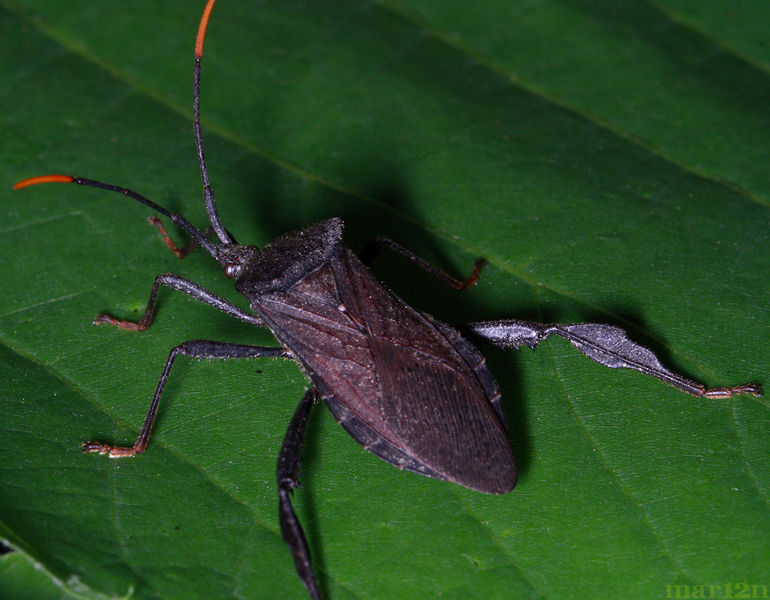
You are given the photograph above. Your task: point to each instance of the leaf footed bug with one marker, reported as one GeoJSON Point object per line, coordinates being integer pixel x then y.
{"type": "Point", "coordinates": [407, 387]}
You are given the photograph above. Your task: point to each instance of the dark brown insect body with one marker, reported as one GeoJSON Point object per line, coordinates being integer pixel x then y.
{"type": "Point", "coordinates": [405, 386]}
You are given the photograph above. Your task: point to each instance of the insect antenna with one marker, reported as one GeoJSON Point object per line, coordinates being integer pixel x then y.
{"type": "Point", "coordinates": [208, 193]}
{"type": "Point", "coordinates": [178, 219]}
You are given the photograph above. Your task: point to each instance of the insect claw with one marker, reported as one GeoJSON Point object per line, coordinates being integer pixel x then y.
{"type": "Point", "coordinates": [473, 278]}
{"type": "Point", "coordinates": [88, 447]}
{"type": "Point", "coordinates": [723, 392]}
{"type": "Point", "coordinates": [102, 319]}
{"type": "Point", "coordinates": [113, 451]}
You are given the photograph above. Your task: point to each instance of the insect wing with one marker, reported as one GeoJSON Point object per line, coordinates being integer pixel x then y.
{"type": "Point", "coordinates": [391, 376]}
{"type": "Point", "coordinates": [430, 396]}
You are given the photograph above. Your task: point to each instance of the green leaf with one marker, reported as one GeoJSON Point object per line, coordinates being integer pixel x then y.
{"type": "Point", "coordinates": [19, 579]}
{"type": "Point", "coordinates": [608, 159]}
{"type": "Point", "coordinates": [22, 578]}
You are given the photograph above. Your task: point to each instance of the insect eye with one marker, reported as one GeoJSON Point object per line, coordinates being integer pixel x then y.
{"type": "Point", "coordinates": [232, 270]}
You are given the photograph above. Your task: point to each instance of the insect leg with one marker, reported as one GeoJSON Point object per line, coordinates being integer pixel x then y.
{"type": "Point", "coordinates": [194, 349]}
{"type": "Point", "coordinates": [170, 244]}
{"type": "Point", "coordinates": [288, 479]}
{"type": "Point", "coordinates": [186, 287]}
{"type": "Point", "coordinates": [607, 345]}
{"type": "Point", "coordinates": [373, 247]}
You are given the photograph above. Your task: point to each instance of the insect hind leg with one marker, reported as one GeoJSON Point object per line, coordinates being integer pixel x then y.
{"type": "Point", "coordinates": [288, 480]}
{"type": "Point", "coordinates": [606, 344]}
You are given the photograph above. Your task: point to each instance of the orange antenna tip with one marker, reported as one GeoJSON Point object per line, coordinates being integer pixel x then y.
{"type": "Point", "coordinates": [43, 179]}
{"type": "Point", "coordinates": [202, 28]}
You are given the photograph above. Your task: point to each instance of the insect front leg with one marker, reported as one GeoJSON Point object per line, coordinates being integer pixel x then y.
{"type": "Point", "coordinates": [194, 349]}
{"type": "Point", "coordinates": [373, 247]}
{"type": "Point", "coordinates": [179, 252]}
{"type": "Point", "coordinates": [186, 287]}
{"type": "Point", "coordinates": [607, 345]}
{"type": "Point", "coordinates": [288, 480]}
